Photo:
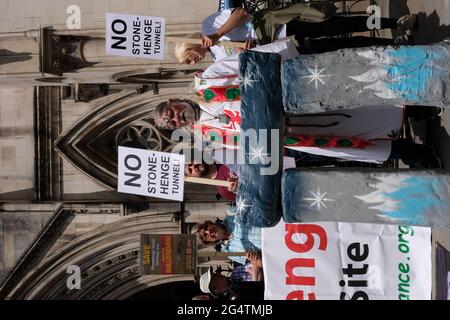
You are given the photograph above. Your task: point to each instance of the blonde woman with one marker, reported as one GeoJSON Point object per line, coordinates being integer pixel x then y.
{"type": "Point", "coordinates": [191, 53]}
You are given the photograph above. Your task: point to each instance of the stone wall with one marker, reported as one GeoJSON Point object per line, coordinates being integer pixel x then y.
{"type": "Point", "coordinates": [19, 225]}
{"type": "Point", "coordinates": [16, 144]}
{"type": "Point", "coordinates": [21, 15]}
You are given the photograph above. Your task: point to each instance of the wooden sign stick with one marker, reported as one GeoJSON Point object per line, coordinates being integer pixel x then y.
{"type": "Point", "coordinates": [212, 182]}
{"type": "Point", "coordinates": [228, 44]}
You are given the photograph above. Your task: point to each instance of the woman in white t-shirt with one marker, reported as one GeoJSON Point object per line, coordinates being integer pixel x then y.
{"type": "Point", "coordinates": [229, 24]}
{"type": "Point", "coordinates": [191, 53]}
{"type": "Point", "coordinates": [236, 25]}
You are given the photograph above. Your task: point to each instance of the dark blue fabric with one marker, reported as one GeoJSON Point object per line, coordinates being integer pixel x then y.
{"type": "Point", "coordinates": [261, 108]}
{"type": "Point", "coordinates": [241, 273]}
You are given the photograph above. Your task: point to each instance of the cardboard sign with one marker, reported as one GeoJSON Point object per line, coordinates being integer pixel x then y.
{"type": "Point", "coordinates": [135, 36]}
{"type": "Point", "coordinates": [346, 261]}
{"type": "Point", "coordinates": [151, 173]}
{"type": "Point", "coordinates": [167, 254]}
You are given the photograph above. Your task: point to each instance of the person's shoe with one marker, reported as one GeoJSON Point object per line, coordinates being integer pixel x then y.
{"type": "Point", "coordinates": [434, 162]}
{"type": "Point", "coordinates": [407, 22]}
{"type": "Point", "coordinates": [426, 112]}
{"type": "Point", "coordinates": [401, 40]}
{"type": "Point", "coordinates": [437, 112]}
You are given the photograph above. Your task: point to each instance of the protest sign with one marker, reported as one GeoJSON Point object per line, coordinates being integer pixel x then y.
{"type": "Point", "coordinates": [135, 36]}
{"type": "Point", "coordinates": [167, 254]}
{"type": "Point", "coordinates": [346, 261]}
{"type": "Point", "coordinates": [151, 173]}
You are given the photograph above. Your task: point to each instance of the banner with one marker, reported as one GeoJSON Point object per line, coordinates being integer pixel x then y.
{"type": "Point", "coordinates": [151, 173]}
{"type": "Point", "coordinates": [135, 36]}
{"type": "Point", "coordinates": [167, 254]}
{"type": "Point", "coordinates": [346, 261]}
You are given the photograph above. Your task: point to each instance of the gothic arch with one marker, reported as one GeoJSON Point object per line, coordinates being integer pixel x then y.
{"type": "Point", "coordinates": [108, 258]}
{"type": "Point", "coordinates": [91, 143]}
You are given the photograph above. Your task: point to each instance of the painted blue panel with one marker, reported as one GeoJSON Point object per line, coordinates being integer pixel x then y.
{"type": "Point", "coordinates": [349, 78]}
{"type": "Point", "coordinates": [410, 197]}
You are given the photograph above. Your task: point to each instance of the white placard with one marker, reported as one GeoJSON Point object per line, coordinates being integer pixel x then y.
{"type": "Point", "coordinates": [151, 173]}
{"type": "Point", "coordinates": [344, 261]}
{"type": "Point", "coordinates": [135, 36]}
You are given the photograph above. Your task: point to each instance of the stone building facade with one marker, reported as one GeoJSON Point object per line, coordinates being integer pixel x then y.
{"type": "Point", "coordinates": [65, 106]}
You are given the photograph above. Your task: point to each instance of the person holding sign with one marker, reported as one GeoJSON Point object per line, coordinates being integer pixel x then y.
{"type": "Point", "coordinates": [217, 115]}
{"type": "Point", "coordinates": [244, 283]}
{"type": "Point", "coordinates": [230, 235]}
{"type": "Point", "coordinates": [237, 21]}
{"type": "Point", "coordinates": [215, 172]}
{"type": "Point", "coordinates": [192, 53]}
{"type": "Point", "coordinates": [251, 271]}
{"type": "Point", "coordinates": [302, 20]}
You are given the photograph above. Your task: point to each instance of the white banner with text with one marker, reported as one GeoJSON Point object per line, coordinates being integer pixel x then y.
{"type": "Point", "coordinates": [346, 261]}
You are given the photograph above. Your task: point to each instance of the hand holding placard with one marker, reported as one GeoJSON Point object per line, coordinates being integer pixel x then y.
{"type": "Point", "coordinates": [155, 174]}
{"type": "Point", "coordinates": [142, 36]}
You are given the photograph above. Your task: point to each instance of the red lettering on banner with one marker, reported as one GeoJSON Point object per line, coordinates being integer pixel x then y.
{"type": "Point", "coordinates": [298, 295]}
{"type": "Point", "coordinates": [308, 230]}
{"type": "Point", "coordinates": [291, 264]}
{"type": "Point", "coordinates": [291, 278]}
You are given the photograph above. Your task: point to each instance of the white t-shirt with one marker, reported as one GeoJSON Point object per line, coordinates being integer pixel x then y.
{"type": "Point", "coordinates": [230, 65]}
{"type": "Point", "coordinates": [241, 33]}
